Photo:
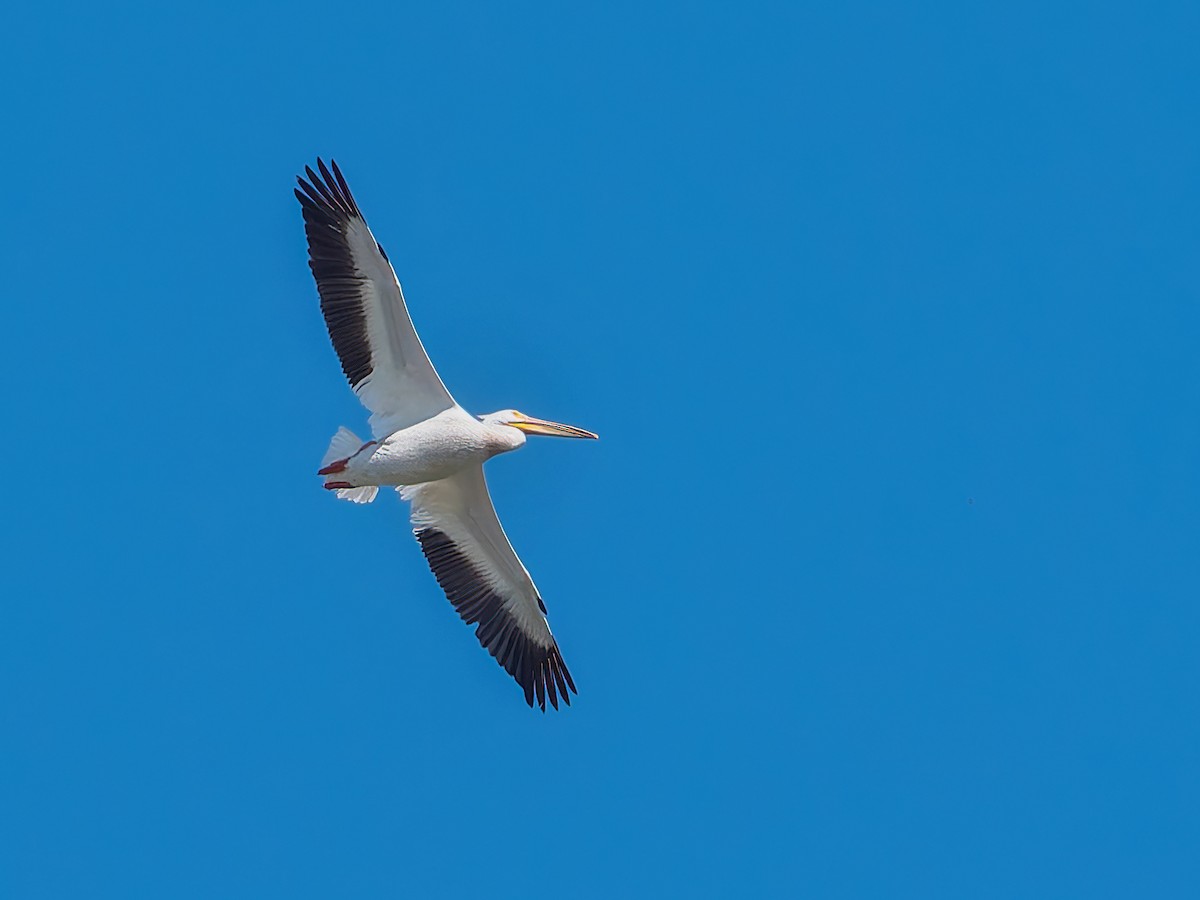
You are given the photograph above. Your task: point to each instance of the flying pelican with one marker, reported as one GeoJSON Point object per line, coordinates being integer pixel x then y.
{"type": "Point", "coordinates": [424, 444]}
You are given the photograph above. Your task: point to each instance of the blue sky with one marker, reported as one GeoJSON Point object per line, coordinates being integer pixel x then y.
{"type": "Point", "coordinates": [881, 581]}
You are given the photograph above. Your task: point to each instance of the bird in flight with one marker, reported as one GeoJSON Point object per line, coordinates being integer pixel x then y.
{"type": "Point", "coordinates": [423, 443]}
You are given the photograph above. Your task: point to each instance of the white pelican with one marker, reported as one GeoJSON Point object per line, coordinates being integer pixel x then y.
{"type": "Point", "coordinates": [425, 445]}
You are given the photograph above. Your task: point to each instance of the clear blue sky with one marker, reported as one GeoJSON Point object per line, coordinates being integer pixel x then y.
{"type": "Point", "coordinates": [882, 581]}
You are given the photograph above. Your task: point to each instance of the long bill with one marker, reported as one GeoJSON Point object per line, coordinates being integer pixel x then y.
{"type": "Point", "coordinates": [530, 425]}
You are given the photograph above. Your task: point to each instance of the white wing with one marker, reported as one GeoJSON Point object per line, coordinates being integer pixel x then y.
{"type": "Point", "coordinates": [478, 569]}
{"type": "Point", "coordinates": [364, 309]}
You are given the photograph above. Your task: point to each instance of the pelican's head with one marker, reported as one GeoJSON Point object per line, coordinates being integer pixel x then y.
{"type": "Point", "coordinates": [530, 425]}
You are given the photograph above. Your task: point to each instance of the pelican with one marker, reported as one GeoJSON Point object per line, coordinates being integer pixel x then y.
{"type": "Point", "coordinates": [424, 444]}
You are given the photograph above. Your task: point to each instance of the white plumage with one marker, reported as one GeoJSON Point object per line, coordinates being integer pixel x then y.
{"type": "Point", "coordinates": [425, 444]}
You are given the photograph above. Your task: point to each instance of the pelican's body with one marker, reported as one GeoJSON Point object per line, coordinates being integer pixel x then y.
{"type": "Point", "coordinates": [425, 444]}
{"type": "Point", "coordinates": [428, 451]}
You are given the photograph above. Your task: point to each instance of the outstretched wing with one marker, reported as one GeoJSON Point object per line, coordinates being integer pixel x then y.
{"type": "Point", "coordinates": [470, 556]}
{"type": "Point", "coordinates": [364, 309]}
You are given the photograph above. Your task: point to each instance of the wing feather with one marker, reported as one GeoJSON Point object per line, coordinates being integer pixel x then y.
{"type": "Point", "coordinates": [364, 308]}
{"type": "Point", "coordinates": [481, 575]}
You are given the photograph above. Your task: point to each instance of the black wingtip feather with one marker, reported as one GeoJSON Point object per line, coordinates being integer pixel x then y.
{"type": "Point", "coordinates": [328, 208]}
{"type": "Point", "coordinates": [538, 669]}
{"type": "Point", "coordinates": [550, 685]}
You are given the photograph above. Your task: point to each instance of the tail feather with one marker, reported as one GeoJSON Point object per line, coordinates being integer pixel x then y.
{"type": "Point", "coordinates": [343, 446]}
{"type": "Point", "coordinates": [359, 494]}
